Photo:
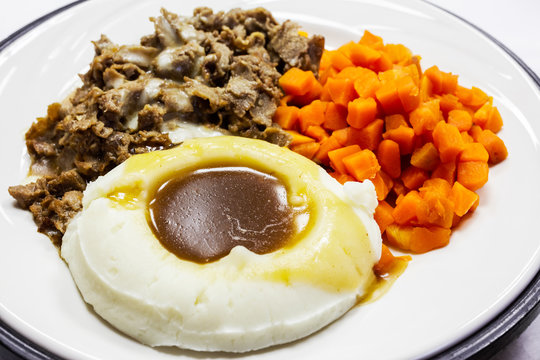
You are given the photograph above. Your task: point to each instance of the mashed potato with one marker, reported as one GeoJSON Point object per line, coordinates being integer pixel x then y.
{"type": "Point", "coordinates": [243, 301]}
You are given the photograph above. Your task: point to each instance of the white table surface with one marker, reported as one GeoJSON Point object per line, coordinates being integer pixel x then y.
{"type": "Point", "coordinates": [514, 23]}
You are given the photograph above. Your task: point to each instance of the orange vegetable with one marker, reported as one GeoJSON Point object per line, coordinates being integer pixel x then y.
{"type": "Point", "coordinates": [326, 145]}
{"type": "Point", "coordinates": [341, 90]}
{"type": "Point", "coordinates": [473, 97]}
{"type": "Point", "coordinates": [297, 82]}
{"type": "Point", "coordinates": [414, 177]}
{"type": "Point", "coordinates": [472, 174]}
{"type": "Point", "coordinates": [425, 157]}
{"type": "Point", "coordinates": [362, 165]}
{"type": "Point", "coordinates": [339, 60]}
{"type": "Point", "coordinates": [435, 209]}
{"type": "Point", "coordinates": [460, 119]}
{"type": "Point", "coordinates": [406, 209]}
{"type": "Point", "coordinates": [369, 137]}
{"type": "Point", "coordinates": [366, 83]}
{"type": "Point", "coordinates": [316, 132]}
{"type": "Point", "coordinates": [388, 97]}
{"type": "Point", "coordinates": [448, 141]}
{"type": "Point", "coordinates": [383, 215]}
{"type": "Point", "coordinates": [383, 184]}
{"type": "Point", "coordinates": [446, 171]}
{"type": "Point", "coordinates": [363, 55]}
{"type": "Point", "coordinates": [307, 149]}
{"type": "Point", "coordinates": [385, 263]}
{"type": "Point", "coordinates": [474, 152]}
{"type": "Point", "coordinates": [394, 121]}
{"type": "Point", "coordinates": [312, 114]}
{"type": "Point", "coordinates": [402, 135]}
{"type": "Point", "coordinates": [336, 157]}
{"type": "Point", "coordinates": [494, 145]}
{"type": "Point", "coordinates": [361, 112]}
{"type": "Point", "coordinates": [425, 117]}
{"type": "Point", "coordinates": [298, 138]}
{"type": "Point", "coordinates": [286, 116]}
{"type": "Point", "coordinates": [408, 93]}
{"type": "Point", "coordinates": [417, 239]}
{"type": "Point", "coordinates": [389, 158]}
{"type": "Point", "coordinates": [463, 198]}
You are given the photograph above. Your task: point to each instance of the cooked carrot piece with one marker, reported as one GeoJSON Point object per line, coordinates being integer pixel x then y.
{"type": "Point", "coordinates": [368, 137]}
{"type": "Point", "coordinates": [307, 149]}
{"type": "Point", "coordinates": [425, 117]}
{"type": "Point", "coordinates": [298, 138]}
{"type": "Point", "coordinates": [406, 209]}
{"type": "Point", "coordinates": [475, 132]}
{"type": "Point", "coordinates": [398, 188]}
{"type": "Point", "coordinates": [339, 60]}
{"type": "Point", "coordinates": [474, 152]}
{"type": "Point", "coordinates": [473, 97]}
{"type": "Point", "coordinates": [362, 165]}
{"type": "Point", "coordinates": [383, 215]}
{"type": "Point", "coordinates": [437, 185]}
{"type": "Point", "coordinates": [494, 145]}
{"type": "Point", "coordinates": [363, 55]}
{"type": "Point", "coordinates": [399, 236]}
{"type": "Point", "coordinates": [436, 77]}
{"type": "Point", "coordinates": [425, 157]}
{"type": "Point", "coordinates": [435, 209]}
{"type": "Point", "coordinates": [313, 94]}
{"type": "Point", "coordinates": [335, 117]}
{"type": "Point", "coordinates": [342, 178]}
{"type": "Point", "coordinates": [426, 89]}
{"type": "Point", "coordinates": [326, 61]}
{"type": "Point", "coordinates": [389, 158]}
{"type": "Point", "coordinates": [366, 83]}
{"type": "Point", "coordinates": [449, 102]}
{"type": "Point", "coordinates": [296, 81]}
{"type": "Point", "coordinates": [404, 136]}
{"type": "Point", "coordinates": [361, 112]}
{"type": "Point", "coordinates": [371, 40]}
{"type": "Point", "coordinates": [382, 188]}
{"type": "Point", "coordinates": [394, 121]}
{"type": "Point", "coordinates": [467, 139]}
{"type": "Point", "coordinates": [286, 116]}
{"type": "Point", "coordinates": [383, 63]}
{"type": "Point", "coordinates": [449, 83]}
{"type": "Point", "coordinates": [448, 141]}
{"type": "Point", "coordinates": [481, 115]}
{"type": "Point", "coordinates": [460, 119]}
{"type": "Point", "coordinates": [472, 174]}
{"type": "Point", "coordinates": [494, 121]}
{"type": "Point", "coordinates": [328, 73]}
{"type": "Point", "coordinates": [414, 177]}
{"type": "Point", "coordinates": [336, 157]}
{"type": "Point", "coordinates": [408, 93]}
{"type": "Point", "coordinates": [316, 132]}
{"type": "Point", "coordinates": [312, 114]}
{"type": "Point", "coordinates": [343, 136]}
{"type": "Point", "coordinates": [327, 145]}
{"type": "Point", "coordinates": [341, 90]}
{"type": "Point", "coordinates": [385, 263]}
{"type": "Point", "coordinates": [446, 171]}
{"type": "Point", "coordinates": [463, 198]}
{"type": "Point", "coordinates": [398, 54]}
{"type": "Point", "coordinates": [425, 239]}
{"type": "Point", "coordinates": [388, 97]}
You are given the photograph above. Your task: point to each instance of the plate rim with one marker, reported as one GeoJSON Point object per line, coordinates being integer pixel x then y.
{"type": "Point", "coordinates": [482, 344]}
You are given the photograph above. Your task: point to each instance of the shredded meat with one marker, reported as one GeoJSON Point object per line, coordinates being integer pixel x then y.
{"type": "Point", "coordinates": [219, 69]}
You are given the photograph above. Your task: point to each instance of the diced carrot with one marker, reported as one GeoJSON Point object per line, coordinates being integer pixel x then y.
{"type": "Point", "coordinates": [363, 55]}
{"type": "Point", "coordinates": [394, 121]}
{"type": "Point", "coordinates": [398, 188]}
{"type": "Point", "coordinates": [398, 54]}
{"type": "Point", "coordinates": [414, 177]}
{"type": "Point", "coordinates": [474, 152]}
{"type": "Point", "coordinates": [473, 97]}
{"type": "Point", "coordinates": [327, 145]}
{"type": "Point", "coordinates": [472, 174]}
{"type": "Point", "coordinates": [481, 115]}
{"type": "Point", "coordinates": [286, 100]}
{"type": "Point", "coordinates": [404, 136]}
{"type": "Point", "coordinates": [335, 117]}
{"type": "Point", "coordinates": [307, 149]}
{"type": "Point", "coordinates": [326, 61]}
{"type": "Point", "coordinates": [343, 136]}
{"type": "Point", "coordinates": [388, 97]}
{"type": "Point", "coordinates": [298, 138]}
{"type": "Point", "coordinates": [475, 132]}
{"type": "Point", "coordinates": [342, 178]}
{"type": "Point", "coordinates": [388, 262]}
{"type": "Point", "coordinates": [494, 145]}
{"type": "Point", "coordinates": [286, 116]}
{"type": "Point", "coordinates": [328, 73]}
{"type": "Point", "coordinates": [460, 119]}
{"type": "Point", "coordinates": [336, 157]}
{"type": "Point", "coordinates": [362, 165]}
{"type": "Point", "coordinates": [449, 83]}
{"type": "Point", "coordinates": [435, 209]}
{"type": "Point", "coordinates": [312, 114]}
{"type": "Point", "coordinates": [366, 83]}
{"type": "Point", "coordinates": [371, 40]}
{"type": "Point", "coordinates": [467, 139]}
{"type": "Point", "coordinates": [406, 209]}
{"type": "Point", "coordinates": [446, 171]}
{"type": "Point", "coordinates": [494, 121]}
{"type": "Point", "coordinates": [408, 93]}
{"type": "Point", "coordinates": [425, 157]}
{"type": "Point", "coordinates": [313, 94]}
{"type": "Point", "coordinates": [426, 89]}
{"type": "Point", "coordinates": [383, 63]}
{"type": "Point", "coordinates": [449, 102]}
{"type": "Point", "coordinates": [382, 188]}
{"type": "Point", "coordinates": [436, 77]}
{"type": "Point", "coordinates": [383, 215]}
{"type": "Point", "coordinates": [316, 132]}
{"type": "Point", "coordinates": [448, 141]}
{"type": "Point", "coordinates": [339, 60]}
{"type": "Point", "coordinates": [361, 112]}
{"type": "Point", "coordinates": [389, 157]}
{"type": "Point", "coordinates": [369, 136]}
{"type": "Point", "coordinates": [425, 239]}
{"type": "Point", "coordinates": [425, 117]}
{"type": "Point", "coordinates": [463, 198]}
{"type": "Point", "coordinates": [296, 81]}
{"type": "Point", "coordinates": [437, 185]}
{"type": "Point", "coordinates": [341, 90]}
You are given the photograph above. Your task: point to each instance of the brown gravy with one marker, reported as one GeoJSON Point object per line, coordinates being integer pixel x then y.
{"type": "Point", "coordinates": [201, 215]}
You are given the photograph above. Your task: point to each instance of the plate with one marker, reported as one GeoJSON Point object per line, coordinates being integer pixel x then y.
{"type": "Point", "coordinates": [444, 296]}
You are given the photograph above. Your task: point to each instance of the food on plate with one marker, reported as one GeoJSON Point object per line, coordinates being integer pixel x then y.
{"type": "Point", "coordinates": [171, 262]}
{"type": "Point", "coordinates": [208, 74]}
{"type": "Point", "coordinates": [423, 140]}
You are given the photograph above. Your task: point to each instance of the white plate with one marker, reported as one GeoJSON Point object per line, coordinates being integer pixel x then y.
{"type": "Point", "coordinates": [443, 296]}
